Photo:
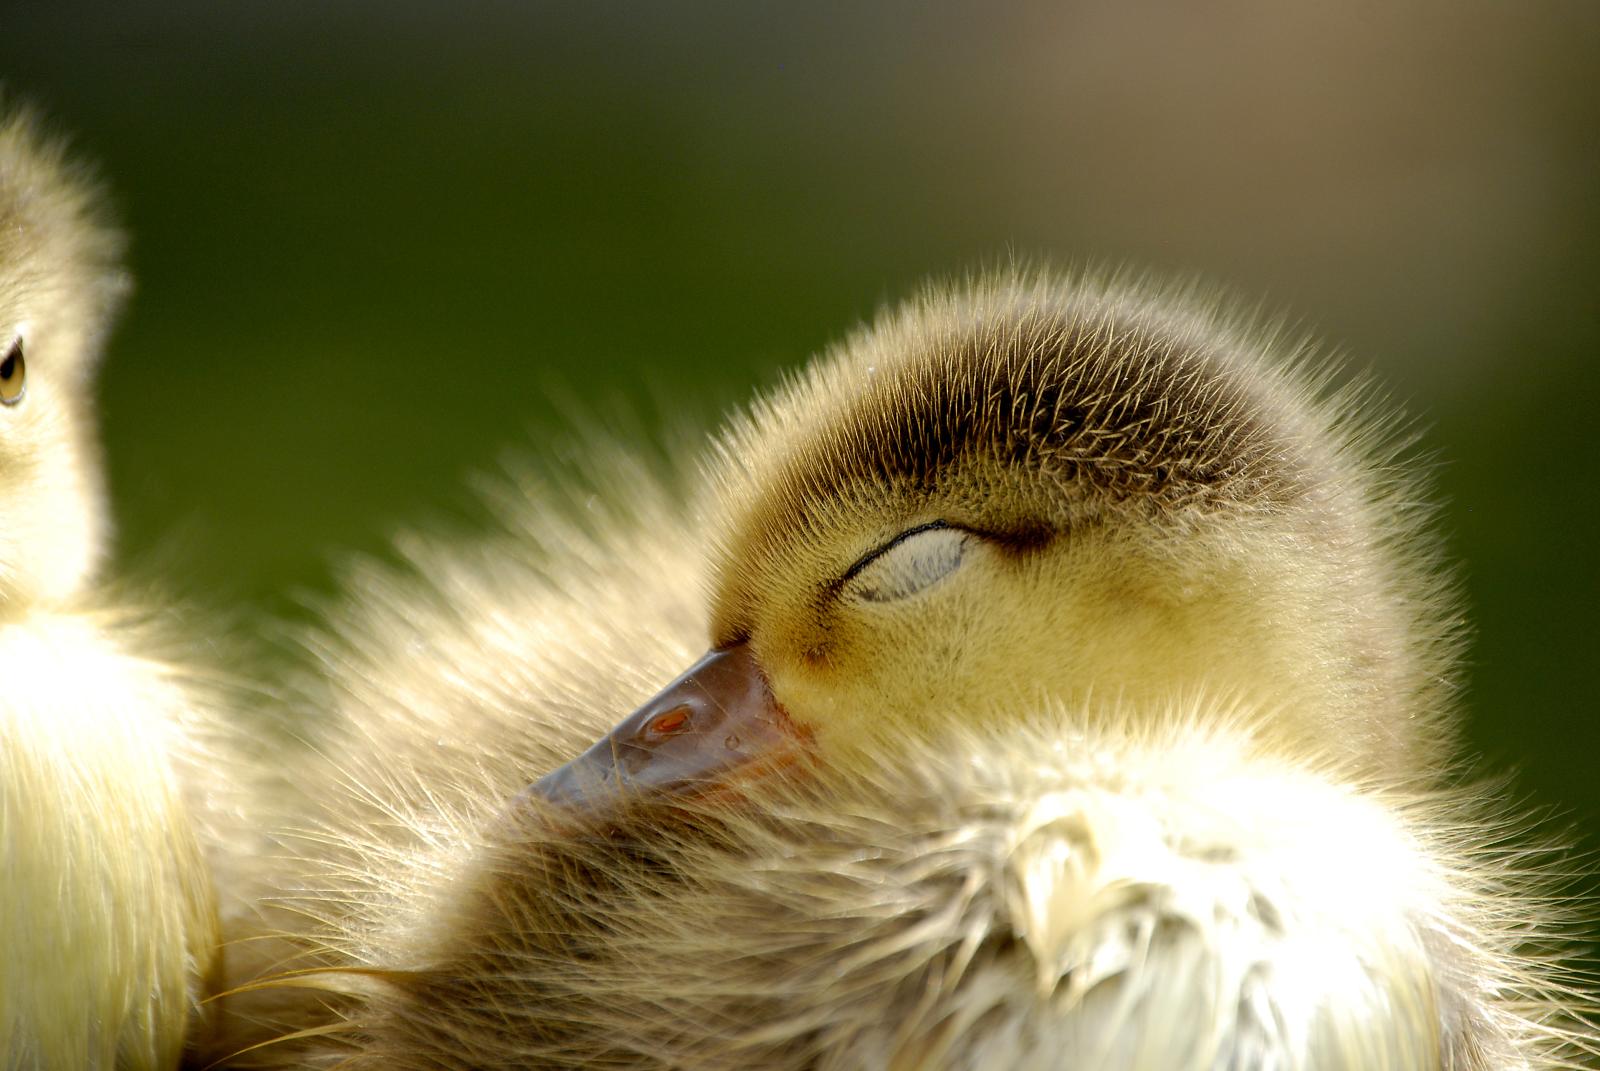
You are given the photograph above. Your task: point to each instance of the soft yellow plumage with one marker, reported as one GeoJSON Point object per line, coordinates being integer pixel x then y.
{"type": "Point", "coordinates": [107, 927]}
{"type": "Point", "coordinates": [1118, 667]}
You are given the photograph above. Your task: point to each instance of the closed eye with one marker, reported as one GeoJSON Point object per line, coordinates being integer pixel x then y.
{"type": "Point", "coordinates": [912, 561]}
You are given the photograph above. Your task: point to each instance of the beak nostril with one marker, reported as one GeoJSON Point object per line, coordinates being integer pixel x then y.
{"type": "Point", "coordinates": [674, 720]}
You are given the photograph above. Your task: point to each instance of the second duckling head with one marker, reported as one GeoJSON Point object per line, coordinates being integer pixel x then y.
{"type": "Point", "coordinates": [60, 283]}
{"type": "Point", "coordinates": [1031, 494]}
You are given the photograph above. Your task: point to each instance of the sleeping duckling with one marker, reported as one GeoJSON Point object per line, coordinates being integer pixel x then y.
{"type": "Point", "coordinates": [1077, 695]}
{"type": "Point", "coordinates": [106, 919]}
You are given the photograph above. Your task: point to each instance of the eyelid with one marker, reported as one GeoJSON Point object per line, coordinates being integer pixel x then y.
{"type": "Point", "coordinates": [877, 552]}
{"type": "Point", "coordinates": [911, 562]}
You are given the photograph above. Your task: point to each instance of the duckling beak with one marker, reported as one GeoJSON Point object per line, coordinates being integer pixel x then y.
{"type": "Point", "coordinates": [718, 720]}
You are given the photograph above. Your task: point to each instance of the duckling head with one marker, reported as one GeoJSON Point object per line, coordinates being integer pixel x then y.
{"type": "Point", "coordinates": [59, 285]}
{"type": "Point", "coordinates": [1030, 495]}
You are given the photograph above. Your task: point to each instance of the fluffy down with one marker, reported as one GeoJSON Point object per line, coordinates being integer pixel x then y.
{"type": "Point", "coordinates": [108, 931]}
{"type": "Point", "coordinates": [1152, 774]}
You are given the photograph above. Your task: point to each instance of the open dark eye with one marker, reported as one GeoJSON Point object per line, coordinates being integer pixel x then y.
{"type": "Point", "coordinates": [913, 561]}
{"type": "Point", "coordinates": [13, 374]}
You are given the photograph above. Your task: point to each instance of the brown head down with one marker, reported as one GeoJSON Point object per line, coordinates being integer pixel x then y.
{"type": "Point", "coordinates": [1022, 496]}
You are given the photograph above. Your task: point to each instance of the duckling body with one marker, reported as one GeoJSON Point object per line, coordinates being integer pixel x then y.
{"type": "Point", "coordinates": [1081, 700]}
{"type": "Point", "coordinates": [106, 918]}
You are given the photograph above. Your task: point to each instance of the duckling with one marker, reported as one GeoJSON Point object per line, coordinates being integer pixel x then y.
{"type": "Point", "coordinates": [1077, 692]}
{"type": "Point", "coordinates": [106, 918]}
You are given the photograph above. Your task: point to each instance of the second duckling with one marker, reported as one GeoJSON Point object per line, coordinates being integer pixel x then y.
{"type": "Point", "coordinates": [108, 927]}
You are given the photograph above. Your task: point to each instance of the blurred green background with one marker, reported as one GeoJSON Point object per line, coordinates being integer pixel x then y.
{"type": "Point", "coordinates": [374, 242]}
